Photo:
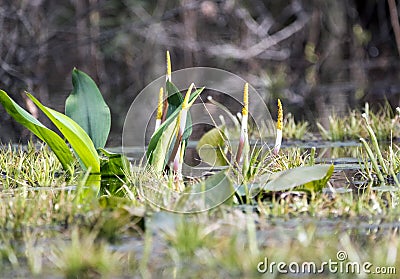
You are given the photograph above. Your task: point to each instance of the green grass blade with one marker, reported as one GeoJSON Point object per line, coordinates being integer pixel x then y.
{"type": "Point", "coordinates": [75, 135]}
{"type": "Point", "coordinates": [87, 107]}
{"type": "Point", "coordinates": [54, 141]}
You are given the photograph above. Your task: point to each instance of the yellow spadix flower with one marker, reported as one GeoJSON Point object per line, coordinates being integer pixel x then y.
{"type": "Point", "coordinates": [160, 103]}
{"type": "Point", "coordinates": [168, 66]}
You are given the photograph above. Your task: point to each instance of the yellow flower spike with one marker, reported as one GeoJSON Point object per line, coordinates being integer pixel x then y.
{"type": "Point", "coordinates": [160, 103]}
{"type": "Point", "coordinates": [279, 127]}
{"type": "Point", "coordinates": [279, 123]}
{"type": "Point", "coordinates": [159, 109]}
{"type": "Point", "coordinates": [245, 110]}
{"type": "Point", "coordinates": [185, 103]}
{"type": "Point", "coordinates": [168, 66]}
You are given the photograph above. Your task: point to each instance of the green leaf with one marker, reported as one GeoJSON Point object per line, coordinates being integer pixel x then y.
{"type": "Point", "coordinates": [291, 178]}
{"type": "Point", "coordinates": [75, 135]}
{"type": "Point", "coordinates": [164, 147]}
{"type": "Point", "coordinates": [87, 107]}
{"type": "Point", "coordinates": [175, 99]}
{"type": "Point", "coordinates": [308, 178]}
{"type": "Point", "coordinates": [158, 133]}
{"type": "Point", "coordinates": [207, 194]}
{"type": "Point", "coordinates": [318, 185]}
{"type": "Point", "coordinates": [113, 164]}
{"type": "Point", "coordinates": [210, 147]}
{"type": "Point", "coordinates": [55, 142]}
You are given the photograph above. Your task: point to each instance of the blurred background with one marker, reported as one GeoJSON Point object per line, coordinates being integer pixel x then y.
{"type": "Point", "coordinates": [318, 56]}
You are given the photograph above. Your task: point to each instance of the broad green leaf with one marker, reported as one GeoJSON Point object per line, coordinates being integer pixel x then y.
{"type": "Point", "coordinates": [55, 142]}
{"type": "Point", "coordinates": [291, 178]}
{"type": "Point", "coordinates": [207, 194]}
{"type": "Point", "coordinates": [210, 147]}
{"type": "Point", "coordinates": [318, 185]}
{"type": "Point", "coordinates": [87, 107]}
{"type": "Point", "coordinates": [113, 164]}
{"type": "Point", "coordinates": [175, 99]}
{"type": "Point", "coordinates": [75, 135]}
{"type": "Point", "coordinates": [157, 134]}
{"type": "Point", "coordinates": [308, 178]}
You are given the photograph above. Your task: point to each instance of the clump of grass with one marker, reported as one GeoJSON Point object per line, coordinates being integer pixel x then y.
{"type": "Point", "coordinates": [291, 158]}
{"type": "Point", "coordinates": [31, 165]}
{"type": "Point", "coordinates": [381, 166]}
{"type": "Point", "coordinates": [342, 127]}
{"type": "Point", "coordinates": [189, 237]}
{"type": "Point", "coordinates": [384, 122]}
{"type": "Point", "coordinates": [292, 129]}
{"type": "Point", "coordinates": [83, 257]}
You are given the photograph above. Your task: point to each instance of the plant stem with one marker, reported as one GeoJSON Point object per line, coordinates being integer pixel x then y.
{"type": "Point", "coordinates": [375, 145]}
{"type": "Point", "coordinates": [244, 137]}
{"type": "Point", "coordinates": [373, 160]}
{"type": "Point", "coordinates": [181, 123]}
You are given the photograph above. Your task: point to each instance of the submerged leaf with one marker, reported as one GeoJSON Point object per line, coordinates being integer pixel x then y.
{"type": "Point", "coordinates": [55, 142]}
{"type": "Point", "coordinates": [87, 107]}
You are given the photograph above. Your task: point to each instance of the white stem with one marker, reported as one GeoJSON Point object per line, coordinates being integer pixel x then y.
{"type": "Point", "coordinates": [176, 165]}
{"type": "Point", "coordinates": [243, 131]}
{"type": "Point", "coordinates": [158, 123]}
{"type": "Point", "coordinates": [243, 137]}
{"type": "Point", "coordinates": [182, 123]}
{"type": "Point", "coordinates": [278, 141]}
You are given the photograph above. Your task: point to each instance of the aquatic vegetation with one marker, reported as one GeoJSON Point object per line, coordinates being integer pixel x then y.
{"type": "Point", "coordinates": [55, 142]}
{"type": "Point", "coordinates": [379, 164]}
{"type": "Point", "coordinates": [86, 106]}
{"type": "Point", "coordinates": [342, 127]}
{"type": "Point", "coordinates": [34, 165]}
{"type": "Point", "coordinates": [385, 122]}
{"type": "Point", "coordinates": [86, 127]}
{"type": "Point", "coordinates": [173, 127]}
{"type": "Point", "coordinates": [271, 201]}
{"type": "Point", "coordinates": [83, 257]}
{"type": "Point", "coordinates": [297, 130]}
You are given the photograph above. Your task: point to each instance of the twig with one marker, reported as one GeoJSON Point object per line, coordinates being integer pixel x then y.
{"type": "Point", "coordinates": [231, 51]}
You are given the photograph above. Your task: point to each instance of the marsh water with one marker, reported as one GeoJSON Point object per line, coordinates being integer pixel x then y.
{"type": "Point", "coordinates": [344, 156]}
